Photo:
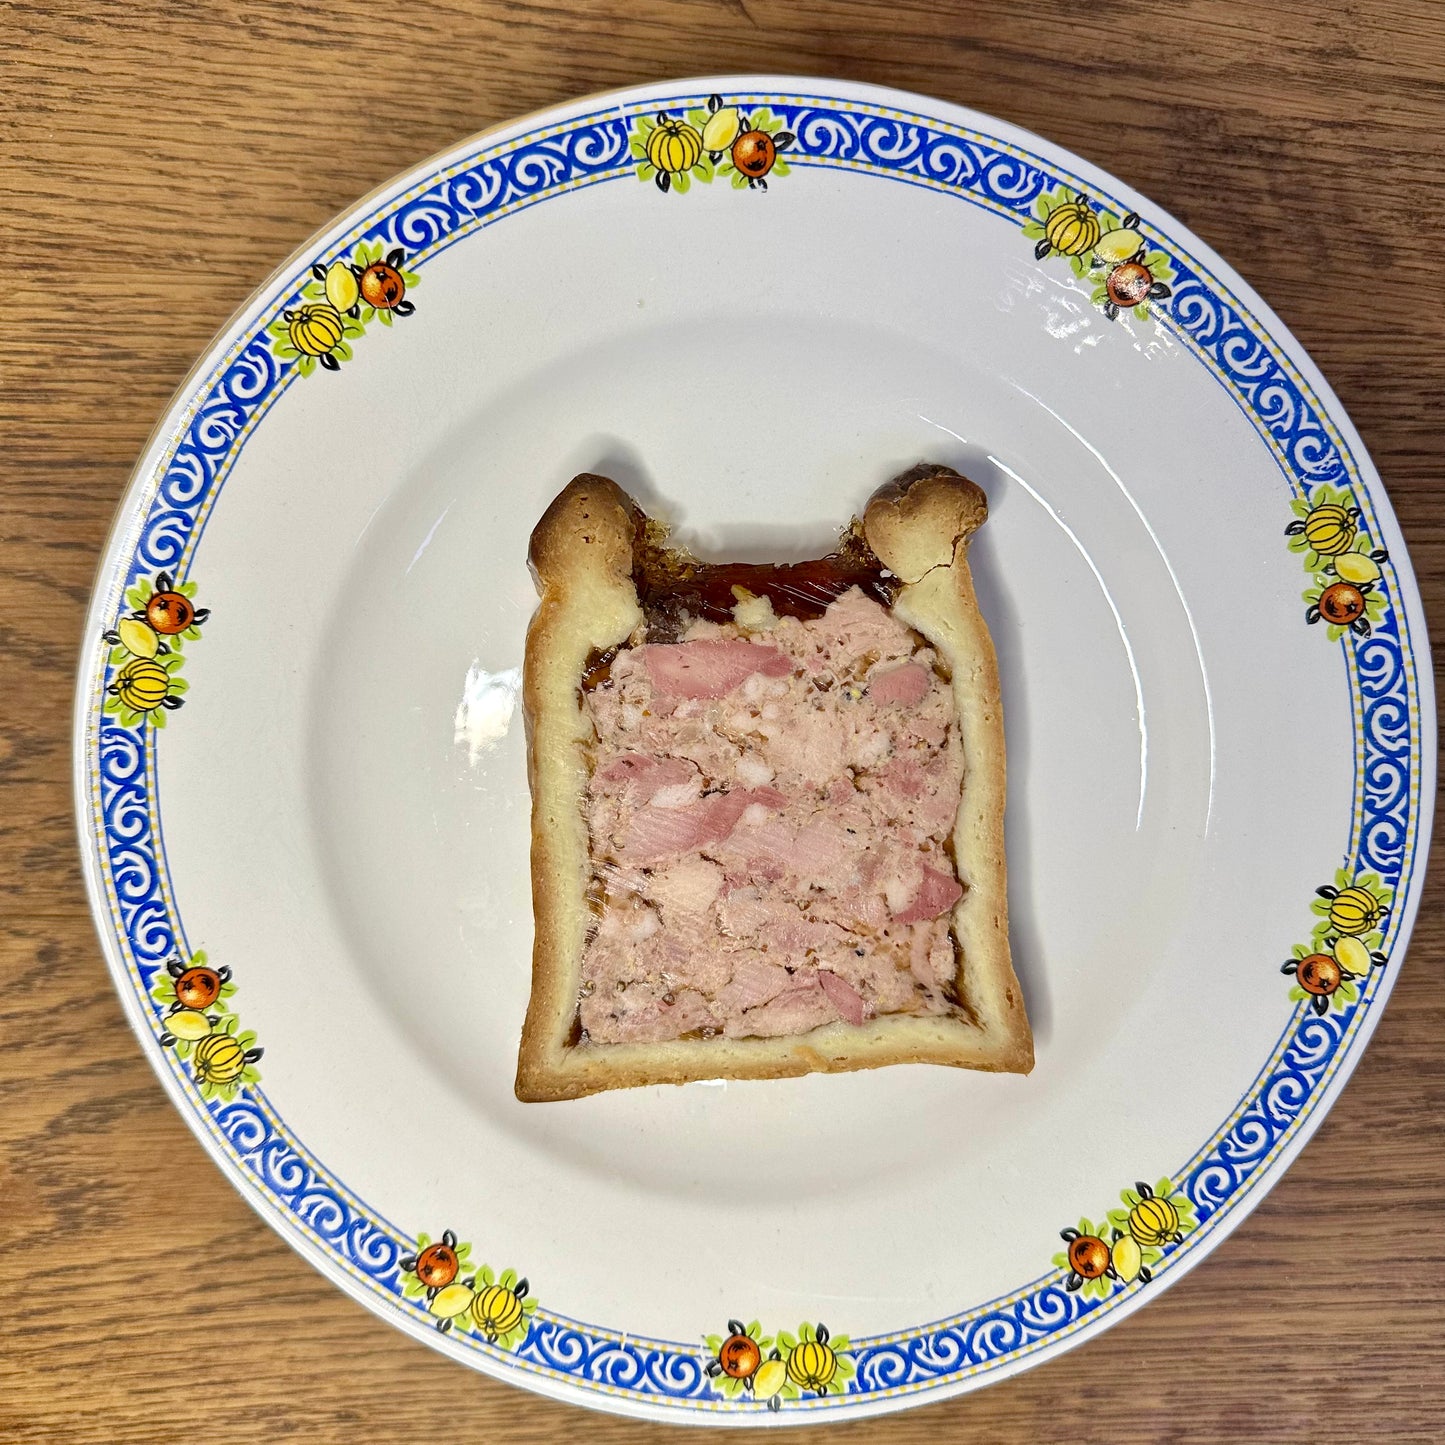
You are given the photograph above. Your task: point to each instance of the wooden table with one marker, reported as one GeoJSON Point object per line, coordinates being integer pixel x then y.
{"type": "Point", "coordinates": [156, 161]}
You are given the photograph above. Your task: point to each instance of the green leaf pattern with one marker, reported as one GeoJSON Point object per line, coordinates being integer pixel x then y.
{"type": "Point", "coordinates": [1115, 1224]}
{"type": "Point", "coordinates": [1323, 570]}
{"type": "Point", "coordinates": [477, 1279]}
{"type": "Point", "coordinates": [704, 170]}
{"type": "Point", "coordinates": [172, 659]}
{"type": "Point", "coordinates": [163, 993]}
{"type": "Point", "coordinates": [781, 1347]}
{"type": "Point", "coordinates": [1088, 266]}
{"type": "Point", "coordinates": [1324, 938]}
{"type": "Point", "coordinates": [365, 254]}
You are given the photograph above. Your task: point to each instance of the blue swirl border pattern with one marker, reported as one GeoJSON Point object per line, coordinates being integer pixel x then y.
{"type": "Point", "coordinates": [592, 149]}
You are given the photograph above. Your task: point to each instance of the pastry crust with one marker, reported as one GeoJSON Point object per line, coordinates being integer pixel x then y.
{"type": "Point", "coordinates": [919, 526]}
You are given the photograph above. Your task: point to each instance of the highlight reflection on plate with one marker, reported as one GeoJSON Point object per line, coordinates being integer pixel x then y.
{"type": "Point", "coordinates": [484, 714]}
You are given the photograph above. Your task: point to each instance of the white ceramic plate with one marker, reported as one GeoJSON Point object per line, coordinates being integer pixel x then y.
{"type": "Point", "coordinates": [338, 815]}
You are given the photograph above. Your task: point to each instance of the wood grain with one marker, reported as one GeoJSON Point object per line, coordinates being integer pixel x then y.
{"type": "Point", "coordinates": [156, 160]}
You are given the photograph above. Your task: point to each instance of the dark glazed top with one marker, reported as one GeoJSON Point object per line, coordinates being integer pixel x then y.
{"type": "Point", "coordinates": [671, 582]}
{"type": "Point", "coordinates": [674, 588]}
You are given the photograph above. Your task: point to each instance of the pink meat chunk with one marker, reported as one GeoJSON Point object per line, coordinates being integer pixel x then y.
{"type": "Point", "coordinates": [647, 775]}
{"type": "Point", "coordinates": [937, 893]}
{"type": "Point", "coordinates": [821, 854]}
{"type": "Point", "coordinates": [754, 982]}
{"type": "Point", "coordinates": [903, 778]}
{"type": "Point", "coordinates": [658, 832]}
{"type": "Point", "coordinates": [709, 669]}
{"type": "Point", "coordinates": [798, 1009]}
{"type": "Point", "coordinates": [902, 686]}
{"type": "Point", "coordinates": [856, 626]}
{"type": "Point", "coordinates": [843, 996]}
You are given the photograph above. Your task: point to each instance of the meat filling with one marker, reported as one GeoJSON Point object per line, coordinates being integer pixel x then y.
{"type": "Point", "coordinates": [769, 810]}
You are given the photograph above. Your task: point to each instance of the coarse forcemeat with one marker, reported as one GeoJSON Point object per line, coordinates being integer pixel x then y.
{"type": "Point", "coordinates": [770, 809]}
